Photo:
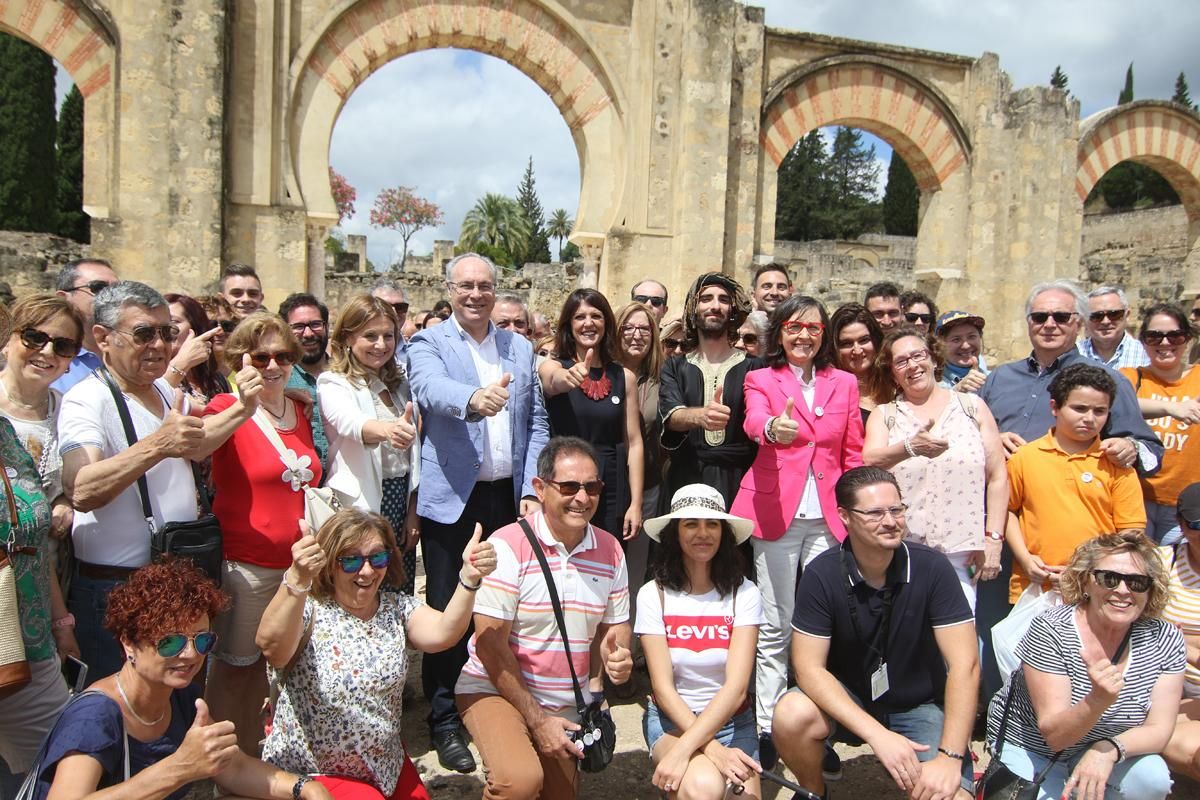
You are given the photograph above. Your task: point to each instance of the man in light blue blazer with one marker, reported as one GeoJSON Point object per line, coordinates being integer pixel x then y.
{"type": "Point", "coordinates": [484, 426]}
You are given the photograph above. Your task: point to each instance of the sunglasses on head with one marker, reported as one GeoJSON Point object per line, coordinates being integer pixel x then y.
{"type": "Point", "coordinates": [912, 316]}
{"type": "Point", "coordinates": [1112, 315]}
{"type": "Point", "coordinates": [657, 302]}
{"type": "Point", "coordinates": [263, 360]}
{"type": "Point", "coordinates": [227, 325]}
{"type": "Point", "coordinates": [1111, 580]}
{"type": "Point", "coordinates": [1170, 337]}
{"type": "Point", "coordinates": [748, 338]}
{"type": "Point", "coordinates": [173, 644]}
{"type": "Point", "coordinates": [571, 488]}
{"type": "Point", "coordinates": [64, 346]}
{"type": "Point", "coordinates": [352, 564]}
{"type": "Point", "coordinates": [1060, 317]}
{"type": "Point", "coordinates": [143, 335]}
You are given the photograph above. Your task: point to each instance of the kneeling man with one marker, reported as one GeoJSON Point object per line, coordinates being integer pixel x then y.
{"type": "Point", "coordinates": [883, 647]}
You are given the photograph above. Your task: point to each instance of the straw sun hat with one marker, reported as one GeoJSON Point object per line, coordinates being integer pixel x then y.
{"type": "Point", "coordinates": [698, 501]}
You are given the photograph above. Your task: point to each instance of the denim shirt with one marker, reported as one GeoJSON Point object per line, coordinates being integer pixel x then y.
{"type": "Point", "coordinates": [301, 379]}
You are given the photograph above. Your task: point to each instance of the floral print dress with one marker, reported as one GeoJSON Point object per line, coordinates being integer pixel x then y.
{"type": "Point", "coordinates": [339, 710]}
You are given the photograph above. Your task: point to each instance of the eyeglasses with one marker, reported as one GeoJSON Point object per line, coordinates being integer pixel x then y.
{"type": "Point", "coordinates": [402, 308]}
{"type": "Point", "coordinates": [1112, 315]}
{"type": "Point", "coordinates": [263, 360]}
{"type": "Point", "coordinates": [173, 644]}
{"type": "Point", "coordinates": [915, 357]}
{"type": "Point", "coordinates": [64, 346]}
{"type": "Point", "coordinates": [912, 316]}
{"type": "Point", "coordinates": [352, 564]}
{"type": "Point", "coordinates": [672, 344]}
{"type": "Point", "coordinates": [316, 326]}
{"type": "Point", "coordinates": [795, 327]}
{"type": "Point", "coordinates": [657, 302]}
{"type": "Point", "coordinates": [748, 338]}
{"type": "Point", "coordinates": [1111, 580]}
{"type": "Point", "coordinates": [634, 331]}
{"type": "Point", "coordinates": [1170, 337]}
{"type": "Point", "coordinates": [876, 515]}
{"type": "Point", "coordinates": [1060, 317]}
{"type": "Point", "coordinates": [571, 488]}
{"type": "Point", "coordinates": [143, 335]}
{"type": "Point", "coordinates": [468, 288]}
{"type": "Point", "coordinates": [228, 325]}
{"type": "Point", "coordinates": [91, 287]}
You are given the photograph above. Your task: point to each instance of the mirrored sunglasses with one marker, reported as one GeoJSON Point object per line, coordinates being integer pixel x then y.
{"type": "Point", "coordinates": [173, 644]}
{"type": "Point", "coordinates": [352, 564]}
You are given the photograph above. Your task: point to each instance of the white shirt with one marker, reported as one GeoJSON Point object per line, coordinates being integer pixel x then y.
{"type": "Point", "coordinates": [810, 501]}
{"type": "Point", "coordinates": [496, 463]}
{"type": "Point", "coordinates": [116, 535]}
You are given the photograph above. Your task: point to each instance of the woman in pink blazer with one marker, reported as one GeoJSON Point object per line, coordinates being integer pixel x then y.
{"type": "Point", "coordinates": [804, 416]}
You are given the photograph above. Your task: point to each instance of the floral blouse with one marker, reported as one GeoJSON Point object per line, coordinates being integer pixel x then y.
{"type": "Point", "coordinates": [339, 710]}
{"type": "Point", "coordinates": [34, 572]}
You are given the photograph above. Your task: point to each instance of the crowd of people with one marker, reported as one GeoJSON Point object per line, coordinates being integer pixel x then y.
{"type": "Point", "coordinates": [802, 524]}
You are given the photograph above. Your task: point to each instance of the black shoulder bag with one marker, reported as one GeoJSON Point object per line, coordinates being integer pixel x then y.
{"type": "Point", "coordinates": [198, 539]}
{"type": "Point", "coordinates": [999, 782]}
{"type": "Point", "coordinates": [597, 730]}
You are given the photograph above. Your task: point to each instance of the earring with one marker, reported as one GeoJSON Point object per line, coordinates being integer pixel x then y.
{"type": "Point", "coordinates": [129, 657]}
{"type": "Point", "coordinates": [1086, 597]}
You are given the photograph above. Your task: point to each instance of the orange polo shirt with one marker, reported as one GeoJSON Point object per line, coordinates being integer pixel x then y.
{"type": "Point", "coordinates": [1181, 461]}
{"type": "Point", "coordinates": [1063, 500]}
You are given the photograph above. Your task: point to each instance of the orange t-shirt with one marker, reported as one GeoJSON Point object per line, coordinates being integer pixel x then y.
{"type": "Point", "coordinates": [1063, 500]}
{"type": "Point", "coordinates": [1181, 461]}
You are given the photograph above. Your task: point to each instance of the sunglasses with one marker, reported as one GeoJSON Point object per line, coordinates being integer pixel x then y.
{"type": "Point", "coordinates": [794, 327]}
{"type": "Point", "coordinates": [544, 353]}
{"type": "Point", "coordinates": [571, 488]}
{"type": "Point", "coordinates": [1191, 526]}
{"type": "Point", "coordinates": [1111, 580]}
{"type": "Point", "coordinates": [914, 317]}
{"type": "Point", "coordinates": [143, 335]}
{"type": "Point", "coordinates": [1170, 337]}
{"type": "Point", "coordinates": [263, 360]}
{"type": "Point", "coordinates": [173, 644]}
{"type": "Point", "coordinates": [673, 344]}
{"type": "Point", "coordinates": [657, 302]}
{"type": "Point", "coordinates": [400, 308]}
{"type": "Point", "coordinates": [1060, 317]}
{"type": "Point", "coordinates": [748, 338]}
{"type": "Point", "coordinates": [1112, 315]}
{"type": "Point", "coordinates": [91, 287]}
{"type": "Point", "coordinates": [352, 564]}
{"type": "Point", "coordinates": [227, 325]}
{"type": "Point", "coordinates": [64, 346]}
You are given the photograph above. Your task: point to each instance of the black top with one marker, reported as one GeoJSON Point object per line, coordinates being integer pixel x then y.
{"type": "Point", "coordinates": [925, 595]}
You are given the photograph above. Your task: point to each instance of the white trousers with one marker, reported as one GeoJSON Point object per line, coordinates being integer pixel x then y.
{"type": "Point", "coordinates": [776, 565]}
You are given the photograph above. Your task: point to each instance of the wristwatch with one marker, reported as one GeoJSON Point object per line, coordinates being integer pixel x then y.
{"type": "Point", "coordinates": [995, 536]}
{"type": "Point", "coordinates": [1115, 742]}
{"type": "Point", "coordinates": [298, 786]}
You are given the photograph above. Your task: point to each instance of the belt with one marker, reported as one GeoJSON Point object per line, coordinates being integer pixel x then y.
{"type": "Point", "coordinates": [102, 572]}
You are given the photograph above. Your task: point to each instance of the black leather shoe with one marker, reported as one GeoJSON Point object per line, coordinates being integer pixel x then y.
{"type": "Point", "coordinates": [768, 756]}
{"type": "Point", "coordinates": [452, 750]}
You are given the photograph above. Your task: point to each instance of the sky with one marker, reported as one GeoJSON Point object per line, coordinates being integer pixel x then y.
{"type": "Point", "coordinates": [454, 125]}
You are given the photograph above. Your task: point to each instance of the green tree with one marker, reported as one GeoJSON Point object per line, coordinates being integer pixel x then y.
{"type": "Point", "coordinates": [1182, 95]}
{"type": "Point", "coordinates": [901, 199]}
{"type": "Point", "coordinates": [499, 222]}
{"type": "Point", "coordinates": [568, 253]}
{"type": "Point", "coordinates": [801, 189]}
{"type": "Point", "coordinates": [559, 227]}
{"type": "Point", "coordinates": [1126, 95]}
{"type": "Point", "coordinates": [537, 249]}
{"type": "Point", "coordinates": [27, 128]}
{"type": "Point", "coordinates": [72, 221]}
{"type": "Point", "coordinates": [852, 175]}
{"type": "Point", "coordinates": [403, 211]}
{"type": "Point", "coordinates": [1058, 78]}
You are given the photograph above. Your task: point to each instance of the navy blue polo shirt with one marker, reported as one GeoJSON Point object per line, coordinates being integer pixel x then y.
{"type": "Point", "coordinates": [925, 595]}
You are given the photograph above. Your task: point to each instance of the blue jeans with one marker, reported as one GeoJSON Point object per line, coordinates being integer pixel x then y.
{"type": "Point", "coordinates": [1162, 523]}
{"type": "Point", "coordinates": [738, 732]}
{"type": "Point", "coordinates": [1139, 778]}
{"type": "Point", "coordinates": [88, 601]}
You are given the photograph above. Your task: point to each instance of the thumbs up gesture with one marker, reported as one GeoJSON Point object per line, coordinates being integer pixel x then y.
{"type": "Point", "coordinates": [490, 400]}
{"type": "Point", "coordinates": [578, 373]}
{"type": "Point", "coordinates": [716, 414]}
{"type": "Point", "coordinates": [926, 444]}
{"type": "Point", "coordinates": [973, 380]}
{"type": "Point", "coordinates": [249, 384]}
{"type": "Point", "coordinates": [207, 748]}
{"type": "Point", "coordinates": [618, 659]}
{"type": "Point", "coordinates": [479, 559]}
{"type": "Point", "coordinates": [403, 430]}
{"type": "Point", "coordinates": [786, 428]}
{"type": "Point", "coordinates": [180, 434]}
{"type": "Point", "coordinates": [308, 558]}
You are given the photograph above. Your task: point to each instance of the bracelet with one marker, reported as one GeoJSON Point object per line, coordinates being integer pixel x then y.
{"type": "Point", "coordinates": [177, 371]}
{"type": "Point", "coordinates": [298, 786]}
{"type": "Point", "coordinates": [770, 430]}
{"type": "Point", "coordinates": [296, 589]}
{"type": "Point", "coordinates": [951, 754]}
{"type": "Point", "coordinates": [908, 448]}
{"type": "Point", "coordinates": [66, 621]}
{"type": "Point", "coordinates": [1117, 744]}
{"type": "Point", "coordinates": [468, 586]}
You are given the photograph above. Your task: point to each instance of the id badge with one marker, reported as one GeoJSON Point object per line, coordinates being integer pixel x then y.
{"type": "Point", "coordinates": [879, 682]}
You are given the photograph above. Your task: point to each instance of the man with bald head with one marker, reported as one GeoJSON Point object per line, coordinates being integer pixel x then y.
{"type": "Point", "coordinates": [651, 293]}
{"type": "Point", "coordinates": [79, 282]}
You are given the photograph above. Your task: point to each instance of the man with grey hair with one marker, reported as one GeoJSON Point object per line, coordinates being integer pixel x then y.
{"type": "Point", "coordinates": [79, 282]}
{"type": "Point", "coordinates": [650, 292]}
{"type": "Point", "coordinates": [539, 326]}
{"type": "Point", "coordinates": [510, 314]}
{"type": "Point", "coordinates": [102, 468]}
{"type": "Point", "coordinates": [390, 292]}
{"type": "Point", "coordinates": [1108, 340]}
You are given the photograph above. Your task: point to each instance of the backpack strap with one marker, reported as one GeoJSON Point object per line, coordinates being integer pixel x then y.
{"type": "Point", "coordinates": [967, 403]}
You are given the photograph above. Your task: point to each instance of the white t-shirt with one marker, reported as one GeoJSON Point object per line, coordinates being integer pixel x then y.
{"type": "Point", "coordinates": [116, 535]}
{"type": "Point", "coordinates": [698, 630]}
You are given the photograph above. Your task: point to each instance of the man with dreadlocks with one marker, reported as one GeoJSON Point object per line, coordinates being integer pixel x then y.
{"type": "Point", "coordinates": [700, 396]}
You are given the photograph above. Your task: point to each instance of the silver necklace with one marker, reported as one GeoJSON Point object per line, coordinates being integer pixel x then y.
{"type": "Point", "coordinates": [129, 706]}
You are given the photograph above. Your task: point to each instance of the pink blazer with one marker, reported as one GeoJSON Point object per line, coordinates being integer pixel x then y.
{"type": "Point", "coordinates": [830, 442]}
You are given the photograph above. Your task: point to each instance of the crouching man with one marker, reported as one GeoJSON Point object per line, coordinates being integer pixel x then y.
{"type": "Point", "coordinates": [884, 651]}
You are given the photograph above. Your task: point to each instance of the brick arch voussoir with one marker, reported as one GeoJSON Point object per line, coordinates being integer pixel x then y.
{"type": "Point", "coordinates": [71, 33]}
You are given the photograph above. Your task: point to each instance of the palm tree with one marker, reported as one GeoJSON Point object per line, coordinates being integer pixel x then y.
{"type": "Point", "coordinates": [497, 221]}
{"type": "Point", "coordinates": [559, 227]}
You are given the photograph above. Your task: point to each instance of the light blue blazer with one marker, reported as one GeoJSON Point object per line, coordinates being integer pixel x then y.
{"type": "Point", "coordinates": [443, 379]}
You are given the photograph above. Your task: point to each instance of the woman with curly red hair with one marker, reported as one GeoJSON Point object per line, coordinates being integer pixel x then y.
{"type": "Point", "coordinates": [146, 726]}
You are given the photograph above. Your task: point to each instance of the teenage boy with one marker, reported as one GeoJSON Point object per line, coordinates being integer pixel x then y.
{"type": "Point", "coordinates": [1063, 488]}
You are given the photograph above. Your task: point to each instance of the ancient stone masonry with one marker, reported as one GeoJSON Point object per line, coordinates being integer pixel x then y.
{"type": "Point", "coordinates": [207, 130]}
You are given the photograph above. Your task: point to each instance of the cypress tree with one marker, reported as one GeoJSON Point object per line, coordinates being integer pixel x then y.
{"type": "Point", "coordinates": [1058, 79]}
{"type": "Point", "coordinates": [1126, 95]}
{"type": "Point", "coordinates": [72, 222]}
{"type": "Point", "coordinates": [802, 189]}
{"type": "Point", "coordinates": [901, 199]}
{"type": "Point", "coordinates": [1182, 95]}
{"type": "Point", "coordinates": [537, 250]}
{"type": "Point", "coordinates": [27, 187]}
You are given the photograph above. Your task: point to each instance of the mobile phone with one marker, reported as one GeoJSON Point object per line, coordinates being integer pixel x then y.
{"type": "Point", "coordinates": [75, 671]}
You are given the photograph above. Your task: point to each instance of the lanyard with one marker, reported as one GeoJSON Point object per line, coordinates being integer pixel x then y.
{"type": "Point", "coordinates": [877, 649]}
